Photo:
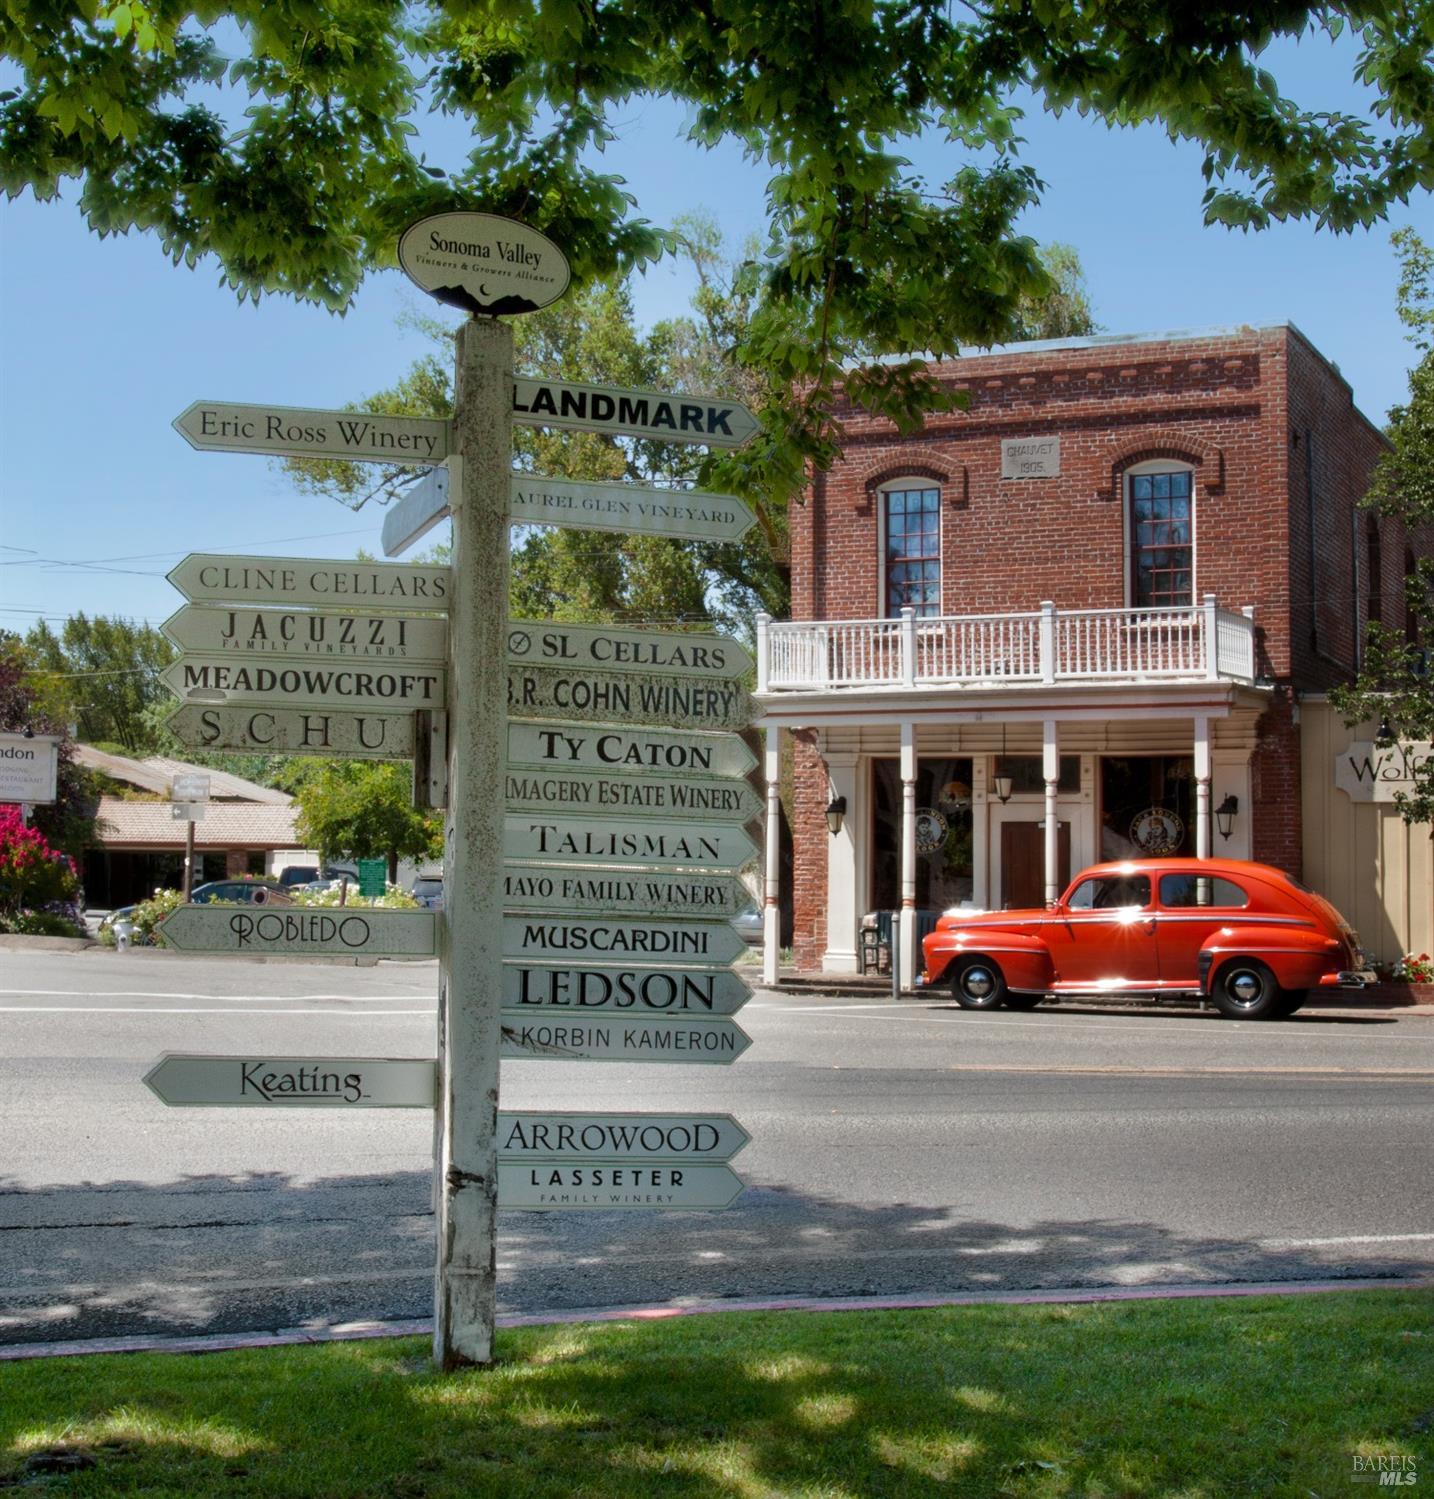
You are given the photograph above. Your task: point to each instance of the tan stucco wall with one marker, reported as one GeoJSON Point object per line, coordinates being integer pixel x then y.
{"type": "Point", "coordinates": [1378, 870]}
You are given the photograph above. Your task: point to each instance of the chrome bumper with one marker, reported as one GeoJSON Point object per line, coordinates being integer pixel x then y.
{"type": "Point", "coordinates": [1356, 978]}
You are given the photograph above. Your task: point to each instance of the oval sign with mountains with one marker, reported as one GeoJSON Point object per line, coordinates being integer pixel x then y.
{"type": "Point", "coordinates": [483, 263]}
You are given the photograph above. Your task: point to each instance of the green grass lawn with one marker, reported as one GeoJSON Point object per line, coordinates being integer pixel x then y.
{"type": "Point", "coordinates": [1265, 1396]}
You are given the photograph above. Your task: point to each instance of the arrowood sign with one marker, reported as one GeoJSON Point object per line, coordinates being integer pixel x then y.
{"type": "Point", "coordinates": [303, 432]}
{"type": "Point", "coordinates": [714, 420]}
{"type": "Point", "coordinates": [557, 986]}
{"type": "Point", "coordinates": [225, 679]}
{"type": "Point", "coordinates": [323, 635]}
{"type": "Point", "coordinates": [559, 692]}
{"type": "Point", "coordinates": [627, 751]}
{"type": "Point", "coordinates": [602, 840]}
{"type": "Point", "coordinates": [611, 648]}
{"type": "Point", "coordinates": [595, 791]}
{"type": "Point", "coordinates": [540, 887]}
{"type": "Point", "coordinates": [294, 731]}
{"type": "Point", "coordinates": [334, 930]}
{"type": "Point", "coordinates": [203, 578]}
{"type": "Point", "coordinates": [597, 940]}
{"type": "Point", "coordinates": [686, 1039]}
{"type": "Point", "coordinates": [634, 509]}
{"type": "Point", "coordinates": [525, 1136]}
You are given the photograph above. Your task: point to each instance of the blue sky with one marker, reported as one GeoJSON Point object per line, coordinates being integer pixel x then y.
{"type": "Point", "coordinates": [104, 343]}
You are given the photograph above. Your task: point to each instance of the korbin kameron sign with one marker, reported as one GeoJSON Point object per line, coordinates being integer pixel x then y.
{"type": "Point", "coordinates": [483, 263]}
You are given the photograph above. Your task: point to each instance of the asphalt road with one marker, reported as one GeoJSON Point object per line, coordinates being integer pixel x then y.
{"type": "Point", "coordinates": [911, 1149]}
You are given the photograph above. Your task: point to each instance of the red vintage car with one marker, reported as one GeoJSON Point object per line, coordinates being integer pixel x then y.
{"type": "Point", "coordinates": [1246, 937]}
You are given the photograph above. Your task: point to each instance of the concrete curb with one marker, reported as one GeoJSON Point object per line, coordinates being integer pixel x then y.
{"type": "Point", "coordinates": [24, 942]}
{"type": "Point", "coordinates": [356, 1331]}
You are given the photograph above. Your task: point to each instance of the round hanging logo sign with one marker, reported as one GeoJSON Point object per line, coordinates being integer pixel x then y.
{"type": "Point", "coordinates": [1157, 830]}
{"type": "Point", "coordinates": [483, 263]}
{"type": "Point", "coordinates": [930, 829]}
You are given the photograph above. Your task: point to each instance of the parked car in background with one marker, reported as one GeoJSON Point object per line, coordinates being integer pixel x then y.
{"type": "Point", "coordinates": [427, 890]}
{"type": "Point", "coordinates": [256, 892]}
{"type": "Point", "coordinates": [1245, 937]}
{"type": "Point", "coordinates": [749, 926]}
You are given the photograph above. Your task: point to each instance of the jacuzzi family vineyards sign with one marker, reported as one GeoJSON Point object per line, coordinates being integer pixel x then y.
{"type": "Point", "coordinates": [619, 829]}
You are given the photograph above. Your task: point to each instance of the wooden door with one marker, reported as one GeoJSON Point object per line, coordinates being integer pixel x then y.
{"type": "Point", "coordinates": [1023, 864]}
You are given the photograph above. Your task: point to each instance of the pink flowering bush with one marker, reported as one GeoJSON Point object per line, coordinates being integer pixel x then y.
{"type": "Point", "coordinates": [32, 874]}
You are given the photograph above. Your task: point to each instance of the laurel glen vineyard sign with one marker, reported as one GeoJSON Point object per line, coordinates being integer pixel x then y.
{"type": "Point", "coordinates": [483, 264]}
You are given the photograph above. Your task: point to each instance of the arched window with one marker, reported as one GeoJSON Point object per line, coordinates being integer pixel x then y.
{"type": "Point", "coordinates": [1160, 531]}
{"type": "Point", "coordinates": [911, 547]}
{"type": "Point", "coordinates": [1375, 612]}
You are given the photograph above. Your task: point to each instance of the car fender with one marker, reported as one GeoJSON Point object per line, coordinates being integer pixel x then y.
{"type": "Point", "coordinates": [1297, 956]}
{"type": "Point", "coordinates": [1024, 960]}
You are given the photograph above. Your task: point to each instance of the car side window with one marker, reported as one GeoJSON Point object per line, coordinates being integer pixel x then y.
{"type": "Point", "coordinates": [1109, 892]}
{"type": "Point", "coordinates": [1179, 890]}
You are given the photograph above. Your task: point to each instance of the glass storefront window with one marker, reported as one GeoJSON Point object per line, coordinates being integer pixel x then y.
{"type": "Point", "coordinates": [1147, 806]}
{"type": "Point", "coordinates": [943, 833]}
{"type": "Point", "coordinates": [1026, 777]}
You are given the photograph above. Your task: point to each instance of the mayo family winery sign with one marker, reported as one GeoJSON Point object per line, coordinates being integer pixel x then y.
{"type": "Point", "coordinates": [540, 887]}
{"type": "Point", "coordinates": [576, 747]}
{"type": "Point", "coordinates": [557, 986]}
{"type": "Point", "coordinates": [292, 1082]}
{"type": "Point", "coordinates": [483, 263]}
{"type": "Point", "coordinates": [223, 679]}
{"type": "Point", "coordinates": [301, 432]}
{"type": "Point", "coordinates": [559, 692]}
{"type": "Point", "coordinates": [611, 648]}
{"type": "Point", "coordinates": [325, 635]}
{"type": "Point", "coordinates": [308, 583]}
{"type": "Point", "coordinates": [336, 931]}
{"type": "Point", "coordinates": [634, 509]}
{"type": "Point", "coordinates": [713, 420]}
{"type": "Point", "coordinates": [294, 731]}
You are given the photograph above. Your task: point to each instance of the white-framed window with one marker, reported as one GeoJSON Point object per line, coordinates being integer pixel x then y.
{"type": "Point", "coordinates": [911, 547]}
{"type": "Point", "coordinates": [1160, 534]}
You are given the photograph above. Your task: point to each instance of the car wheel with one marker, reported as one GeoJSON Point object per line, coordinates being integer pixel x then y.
{"type": "Point", "coordinates": [1246, 990]}
{"type": "Point", "coordinates": [1022, 1001]}
{"type": "Point", "coordinates": [978, 985]}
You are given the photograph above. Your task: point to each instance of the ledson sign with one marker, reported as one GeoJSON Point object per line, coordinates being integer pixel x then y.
{"type": "Point", "coordinates": [587, 908]}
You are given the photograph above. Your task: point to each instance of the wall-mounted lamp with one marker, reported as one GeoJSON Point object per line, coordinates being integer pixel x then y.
{"type": "Point", "coordinates": [27, 732]}
{"type": "Point", "coordinates": [836, 813]}
{"type": "Point", "coordinates": [1225, 814]}
{"type": "Point", "coordinates": [1003, 783]}
{"type": "Point", "coordinates": [1386, 732]}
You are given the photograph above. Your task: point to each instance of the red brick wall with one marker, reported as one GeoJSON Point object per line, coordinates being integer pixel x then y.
{"type": "Point", "coordinates": [809, 851]}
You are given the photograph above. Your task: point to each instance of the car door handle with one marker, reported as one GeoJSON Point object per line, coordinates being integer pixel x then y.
{"type": "Point", "coordinates": [1148, 922]}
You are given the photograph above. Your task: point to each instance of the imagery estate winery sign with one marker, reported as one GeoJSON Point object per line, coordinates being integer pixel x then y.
{"type": "Point", "coordinates": [685, 515]}
{"type": "Point", "coordinates": [312, 584]}
{"type": "Point", "coordinates": [294, 731]}
{"type": "Point", "coordinates": [301, 432]}
{"type": "Point", "coordinates": [713, 800]}
{"type": "Point", "coordinates": [365, 932]}
{"type": "Point", "coordinates": [483, 264]}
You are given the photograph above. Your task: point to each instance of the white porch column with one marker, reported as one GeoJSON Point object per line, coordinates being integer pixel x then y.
{"type": "Point", "coordinates": [908, 856]}
{"type": "Point", "coordinates": [771, 909]}
{"type": "Point", "coordinates": [1051, 771]}
{"type": "Point", "coordinates": [842, 881]}
{"type": "Point", "coordinates": [1202, 786]}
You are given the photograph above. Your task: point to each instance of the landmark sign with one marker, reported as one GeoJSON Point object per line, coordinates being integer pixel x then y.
{"type": "Point", "coordinates": [311, 583]}
{"type": "Point", "coordinates": [183, 1080]}
{"type": "Point", "coordinates": [524, 1136]}
{"type": "Point", "coordinates": [616, 841]}
{"type": "Point", "coordinates": [714, 420]}
{"type": "Point", "coordinates": [561, 692]}
{"type": "Point", "coordinates": [614, 1186]}
{"type": "Point", "coordinates": [540, 887]}
{"type": "Point", "coordinates": [697, 991]}
{"type": "Point", "coordinates": [688, 1039]}
{"type": "Point", "coordinates": [224, 679]}
{"type": "Point", "coordinates": [597, 791]}
{"type": "Point", "coordinates": [328, 635]}
{"type": "Point", "coordinates": [627, 751]}
{"type": "Point", "coordinates": [302, 432]}
{"type": "Point", "coordinates": [633, 509]}
{"type": "Point", "coordinates": [612, 648]}
{"type": "Point", "coordinates": [365, 932]}
{"type": "Point", "coordinates": [294, 731]}
{"type": "Point", "coordinates": [418, 510]}
{"type": "Point", "coordinates": [597, 940]}
{"type": "Point", "coordinates": [482, 263]}
{"type": "Point", "coordinates": [29, 768]}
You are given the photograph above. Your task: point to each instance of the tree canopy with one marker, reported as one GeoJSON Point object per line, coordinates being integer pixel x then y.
{"type": "Point", "coordinates": [363, 809]}
{"type": "Point", "coordinates": [282, 139]}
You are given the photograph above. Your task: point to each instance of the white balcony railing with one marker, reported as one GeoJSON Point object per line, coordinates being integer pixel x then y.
{"type": "Point", "coordinates": [1198, 643]}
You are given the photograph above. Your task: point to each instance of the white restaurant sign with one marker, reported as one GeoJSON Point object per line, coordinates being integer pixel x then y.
{"type": "Point", "coordinates": [28, 768]}
{"type": "Point", "coordinates": [1368, 772]}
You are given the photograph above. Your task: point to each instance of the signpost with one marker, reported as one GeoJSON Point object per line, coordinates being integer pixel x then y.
{"type": "Point", "coordinates": [557, 986]}
{"type": "Point", "coordinates": [627, 751]}
{"type": "Point", "coordinates": [302, 432]}
{"type": "Point", "coordinates": [353, 932]}
{"type": "Point", "coordinates": [419, 510]}
{"type": "Point", "coordinates": [294, 731]}
{"type": "Point", "coordinates": [189, 793]}
{"type": "Point", "coordinates": [713, 420]}
{"type": "Point", "coordinates": [613, 648]}
{"type": "Point", "coordinates": [312, 584]}
{"type": "Point", "coordinates": [602, 840]}
{"type": "Point", "coordinates": [634, 509]}
{"type": "Point", "coordinates": [596, 791]}
{"type": "Point", "coordinates": [621, 891]}
{"type": "Point", "coordinates": [187, 1081]}
{"type": "Point", "coordinates": [225, 679]}
{"type": "Point", "coordinates": [568, 693]}
{"type": "Point", "coordinates": [328, 635]}
{"type": "Point", "coordinates": [717, 1041]}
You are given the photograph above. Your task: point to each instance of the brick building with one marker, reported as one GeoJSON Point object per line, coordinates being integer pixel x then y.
{"type": "Point", "coordinates": [1072, 621]}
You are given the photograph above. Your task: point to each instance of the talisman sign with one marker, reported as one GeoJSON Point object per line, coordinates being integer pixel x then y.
{"type": "Point", "coordinates": [576, 747]}
{"type": "Point", "coordinates": [322, 635]}
{"type": "Point", "coordinates": [224, 679]}
{"type": "Point", "coordinates": [595, 791]}
{"type": "Point", "coordinates": [293, 731]}
{"type": "Point", "coordinates": [203, 578]}
{"type": "Point", "coordinates": [699, 991]}
{"type": "Point", "coordinates": [483, 263]}
{"type": "Point", "coordinates": [614, 1186]}
{"type": "Point", "coordinates": [714, 420]}
{"type": "Point", "coordinates": [634, 509]}
{"type": "Point", "coordinates": [366, 933]}
{"type": "Point", "coordinates": [610, 648]}
{"type": "Point", "coordinates": [302, 432]}
{"type": "Point", "coordinates": [598, 940]}
{"type": "Point", "coordinates": [558, 692]}
{"type": "Point", "coordinates": [601, 840]}
{"type": "Point", "coordinates": [718, 1041]}
{"type": "Point", "coordinates": [540, 887]}
{"type": "Point", "coordinates": [182, 1080]}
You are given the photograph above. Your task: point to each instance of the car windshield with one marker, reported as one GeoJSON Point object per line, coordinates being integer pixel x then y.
{"type": "Point", "coordinates": [428, 887]}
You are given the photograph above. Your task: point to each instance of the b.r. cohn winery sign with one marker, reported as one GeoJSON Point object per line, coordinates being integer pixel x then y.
{"type": "Point", "coordinates": [1377, 773]}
